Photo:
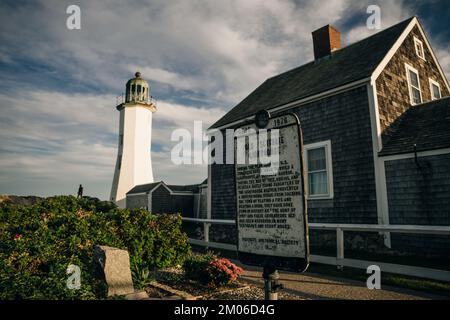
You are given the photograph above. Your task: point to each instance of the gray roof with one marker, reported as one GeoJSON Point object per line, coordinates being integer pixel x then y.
{"type": "Point", "coordinates": [188, 188]}
{"type": "Point", "coordinates": [349, 64]}
{"type": "Point", "coordinates": [143, 187]}
{"type": "Point", "coordinates": [426, 125]}
{"type": "Point", "coordinates": [175, 188]}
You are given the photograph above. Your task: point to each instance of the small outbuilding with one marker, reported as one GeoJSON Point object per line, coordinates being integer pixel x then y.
{"type": "Point", "coordinates": [159, 197]}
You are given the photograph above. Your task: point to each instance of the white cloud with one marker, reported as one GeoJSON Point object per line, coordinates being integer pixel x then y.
{"type": "Point", "coordinates": [221, 49]}
{"type": "Point", "coordinates": [444, 59]}
{"type": "Point", "coordinates": [392, 12]}
{"type": "Point", "coordinates": [201, 58]}
{"type": "Point", "coordinates": [170, 78]}
{"type": "Point", "coordinates": [51, 142]}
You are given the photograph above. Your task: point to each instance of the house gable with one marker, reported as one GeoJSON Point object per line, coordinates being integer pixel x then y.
{"type": "Point", "coordinates": [392, 86]}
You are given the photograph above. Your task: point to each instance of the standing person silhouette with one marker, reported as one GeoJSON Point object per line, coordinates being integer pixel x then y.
{"type": "Point", "coordinates": [80, 191]}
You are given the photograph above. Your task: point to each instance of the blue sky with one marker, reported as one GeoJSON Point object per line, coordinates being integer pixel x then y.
{"type": "Point", "coordinates": [58, 87]}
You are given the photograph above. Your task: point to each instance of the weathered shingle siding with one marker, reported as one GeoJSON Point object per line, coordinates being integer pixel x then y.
{"type": "Point", "coordinates": [392, 84]}
{"type": "Point", "coordinates": [137, 201]}
{"type": "Point", "coordinates": [420, 197]}
{"type": "Point", "coordinates": [345, 120]}
{"type": "Point", "coordinates": [161, 200]}
{"type": "Point", "coordinates": [164, 202]}
{"type": "Point", "coordinates": [223, 194]}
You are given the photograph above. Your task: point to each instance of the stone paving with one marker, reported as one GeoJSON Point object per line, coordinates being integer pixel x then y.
{"type": "Point", "coordinates": [320, 287]}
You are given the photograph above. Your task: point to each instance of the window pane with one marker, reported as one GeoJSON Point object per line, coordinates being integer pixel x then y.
{"type": "Point", "coordinates": [419, 49]}
{"type": "Point", "coordinates": [414, 79]}
{"type": "Point", "coordinates": [318, 183]}
{"type": "Point", "coordinates": [436, 92]}
{"type": "Point", "coordinates": [316, 159]}
{"type": "Point", "coordinates": [416, 95]}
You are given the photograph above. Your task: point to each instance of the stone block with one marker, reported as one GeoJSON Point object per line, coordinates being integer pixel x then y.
{"type": "Point", "coordinates": [116, 267]}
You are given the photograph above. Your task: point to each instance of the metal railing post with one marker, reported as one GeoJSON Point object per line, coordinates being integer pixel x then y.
{"type": "Point", "coordinates": [206, 232]}
{"type": "Point", "coordinates": [340, 248]}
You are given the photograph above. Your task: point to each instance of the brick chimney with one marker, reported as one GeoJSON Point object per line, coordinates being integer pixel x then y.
{"type": "Point", "coordinates": [326, 40]}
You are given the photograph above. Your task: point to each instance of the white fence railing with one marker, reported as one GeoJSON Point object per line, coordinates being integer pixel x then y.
{"type": "Point", "coordinates": [339, 260]}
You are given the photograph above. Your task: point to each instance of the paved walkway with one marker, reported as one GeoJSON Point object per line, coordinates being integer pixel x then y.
{"type": "Point", "coordinates": [320, 287]}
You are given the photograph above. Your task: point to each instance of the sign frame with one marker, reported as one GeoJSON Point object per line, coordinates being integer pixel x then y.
{"type": "Point", "coordinates": [292, 264]}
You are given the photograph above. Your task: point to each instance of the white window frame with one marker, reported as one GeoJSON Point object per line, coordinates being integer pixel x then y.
{"type": "Point", "coordinates": [434, 83]}
{"type": "Point", "coordinates": [329, 167]}
{"type": "Point", "coordinates": [411, 98]}
{"type": "Point", "coordinates": [420, 43]}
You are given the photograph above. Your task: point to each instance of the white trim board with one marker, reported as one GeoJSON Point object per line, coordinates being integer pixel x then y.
{"type": "Point", "coordinates": [173, 193]}
{"type": "Point", "coordinates": [329, 169]}
{"type": "Point", "coordinates": [135, 194]}
{"type": "Point", "coordinates": [432, 82]}
{"type": "Point", "coordinates": [392, 51]}
{"type": "Point", "coordinates": [436, 152]}
{"type": "Point", "coordinates": [176, 193]}
{"type": "Point", "coordinates": [416, 42]}
{"type": "Point", "coordinates": [379, 170]}
{"type": "Point", "coordinates": [409, 68]}
{"type": "Point", "coordinates": [209, 194]}
{"type": "Point", "coordinates": [427, 42]}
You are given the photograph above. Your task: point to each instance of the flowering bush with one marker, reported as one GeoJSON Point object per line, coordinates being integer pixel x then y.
{"type": "Point", "coordinates": [38, 242]}
{"type": "Point", "coordinates": [195, 266]}
{"type": "Point", "coordinates": [211, 270]}
{"type": "Point", "coordinates": [222, 272]}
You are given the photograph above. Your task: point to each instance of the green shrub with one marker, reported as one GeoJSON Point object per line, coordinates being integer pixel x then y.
{"type": "Point", "coordinates": [211, 270]}
{"type": "Point", "coordinates": [195, 266]}
{"type": "Point", "coordinates": [38, 242]}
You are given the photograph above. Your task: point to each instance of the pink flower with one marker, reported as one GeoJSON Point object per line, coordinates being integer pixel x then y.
{"type": "Point", "coordinates": [17, 236]}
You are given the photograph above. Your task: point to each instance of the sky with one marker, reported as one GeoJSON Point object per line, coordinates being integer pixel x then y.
{"type": "Point", "coordinates": [58, 121]}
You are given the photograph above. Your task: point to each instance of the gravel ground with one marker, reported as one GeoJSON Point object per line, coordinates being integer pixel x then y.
{"type": "Point", "coordinates": [249, 293]}
{"type": "Point", "coordinates": [237, 291]}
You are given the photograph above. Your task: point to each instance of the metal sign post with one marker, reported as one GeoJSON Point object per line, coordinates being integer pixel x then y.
{"type": "Point", "coordinates": [271, 285]}
{"type": "Point", "coordinates": [271, 219]}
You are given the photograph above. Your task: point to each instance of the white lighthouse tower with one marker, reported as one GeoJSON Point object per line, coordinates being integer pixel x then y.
{"type": "Point", "coordinates": [134, 163]}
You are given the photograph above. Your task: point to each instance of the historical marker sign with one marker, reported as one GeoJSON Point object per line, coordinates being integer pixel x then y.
{"type": "Point", "coordinates": [271, 204]}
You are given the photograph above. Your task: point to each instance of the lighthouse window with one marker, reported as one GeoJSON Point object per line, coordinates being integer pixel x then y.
{"type": "Point", "coordinates": [138, 88]}
{"type": "Point", "coordinates": [133, 88]}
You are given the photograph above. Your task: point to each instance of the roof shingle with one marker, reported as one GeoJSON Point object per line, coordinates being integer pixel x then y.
{"type": "Point", "coordinates": [427, 126]}
{"type": "Point", "coordinates": [347, 65]}
{"type": "Point", "coordinates": [175, 188]}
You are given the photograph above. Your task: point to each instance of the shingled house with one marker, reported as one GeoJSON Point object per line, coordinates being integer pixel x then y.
{"type": "Point", "coordinates": [159, 197]}
{"type": "Point", "coordinates": [374, 122]}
